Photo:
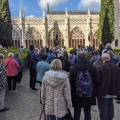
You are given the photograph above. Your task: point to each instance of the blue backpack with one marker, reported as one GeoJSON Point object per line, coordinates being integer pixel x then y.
{"type": "Point", "coordinates": [84, 85]}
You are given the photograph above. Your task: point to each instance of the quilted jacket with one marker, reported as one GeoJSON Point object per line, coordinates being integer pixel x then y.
{"type": "Point", "coordinates": [55, 93]}
{"type": "Point", "coordinates": [2, 77]}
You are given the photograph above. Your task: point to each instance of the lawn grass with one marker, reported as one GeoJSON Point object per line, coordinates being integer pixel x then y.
{"type": "Point", "coordinates": [23, 55]}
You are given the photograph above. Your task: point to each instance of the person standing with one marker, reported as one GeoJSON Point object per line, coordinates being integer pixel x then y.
{"type": "Point", "coordinates": [20, 69]}
{"type": "Point", "coordinates": [55, 92]}
{"type": "Point", "coordinates": [12, 71]}
{"type": "Point", "coordinates": [108, 87]}
{"type": "Point", "coordinates": [83, 99]}
{"type": "Point", "coordinates": [2, 84]}
{"type": "Point", "coordinates": [65, 61]}
{"type": "Point", "coordinates": [95, 57]}
{"type": "Point", "coordinates": [41, 68]}
{"type": "Point", "coordinates": [72, 57]}
{"type": "Point", "coordinates": [51, 57]}
{"type": "Point", "coordinates": [32, 62]}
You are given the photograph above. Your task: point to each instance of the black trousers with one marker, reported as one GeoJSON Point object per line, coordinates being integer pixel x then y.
{"type": "Point", "coordinates": [87, 112]}
{"type": "Point", "coordinates": [106, 108]}
{"type": "Point", "coordinates": [33, 74]}
{"type": "Point", "coordinates": [19, 77]}
{"type": "Point", "coordinates": [10, 81]}
{"type": "Point", "coordinates": [40, 91]}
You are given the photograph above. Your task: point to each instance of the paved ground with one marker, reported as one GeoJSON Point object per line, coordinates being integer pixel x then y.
{"type": "Point", "coordinates": [24, 105]}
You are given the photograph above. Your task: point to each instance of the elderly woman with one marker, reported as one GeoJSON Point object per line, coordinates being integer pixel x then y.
{"type": "Point", "coordinates": [2, 84]}
{"type": "Point", "coordinates": [20, 69]}
{"type": "Point", "coordinates": [56, 93]}
{"type": "Point", "coordinates": [12, 71]}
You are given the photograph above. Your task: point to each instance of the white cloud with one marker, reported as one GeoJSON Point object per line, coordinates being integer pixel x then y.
{"type": "Point", "coordinates": [52, 3]}
{"type": "Point", "coordinates": [30, 16]}
{"type": "Point", "coordinates": [89, 3]}
{"type": "Point", "coordinates": [22, 6]}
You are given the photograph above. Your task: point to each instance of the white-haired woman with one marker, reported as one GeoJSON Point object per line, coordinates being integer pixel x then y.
{"type": "Point", "coordinates": [12, 71]}
{"type": "Point", "coordinates": [2, 84]}
{"type": "Point", "coordinates": [55, 92]}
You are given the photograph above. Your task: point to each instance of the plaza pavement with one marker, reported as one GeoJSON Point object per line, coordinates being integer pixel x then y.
{"type": "Point", "coordinates": [24, 105]}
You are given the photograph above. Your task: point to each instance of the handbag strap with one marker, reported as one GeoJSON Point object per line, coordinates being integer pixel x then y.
{"type": "Point", "coordinates": [71, 57]}
{"type": "Point", "coordinates": [42, 112]}
{"type": "Point", "coordinates": [7, 64]}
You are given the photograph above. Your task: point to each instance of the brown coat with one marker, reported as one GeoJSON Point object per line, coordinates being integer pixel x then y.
{"type": "Point", "coordinates": [109, 80]}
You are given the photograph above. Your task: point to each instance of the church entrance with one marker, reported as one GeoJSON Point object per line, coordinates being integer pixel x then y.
{"type": "Point", "coordinates": [52, 35]}
{"type": "Point", "coordinates": [76, 38]}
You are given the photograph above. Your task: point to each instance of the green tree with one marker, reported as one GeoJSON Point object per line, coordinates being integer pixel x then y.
{"type": "Point", "coordinates": [106, 32]}
{"type": "Point", "coordinates": [5, 24]}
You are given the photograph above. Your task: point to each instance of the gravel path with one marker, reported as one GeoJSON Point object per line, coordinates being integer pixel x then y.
{"type": "Point", "coordinates": [24, 105]}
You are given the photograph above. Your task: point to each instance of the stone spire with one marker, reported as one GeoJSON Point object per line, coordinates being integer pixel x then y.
{"type": "Point", "coordinates": [43, 14]}
{"type": "Point", "coordinates": [66, 12]}
{"type": "Point", "coordinates": [89, 11]}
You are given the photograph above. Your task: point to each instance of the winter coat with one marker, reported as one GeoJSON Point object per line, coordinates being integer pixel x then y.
{"type": "Point", "coordinates": [94, 59]}
{"type": "Point", "coordinates": [109, 80]}
{"type": "Point", "coordinates": [2, 77]}
{"type": "Point", "coordinates": [20, 69]}
{"type": "Point", "coordinates": [81, 65]}
{"type": "Point", "coordinates": [34, 59]}
{"type": "Point", "coordinates": [41, 68]}
{"type": "Point", "coordinates": [11, 67]}
{"type": "Point", "coordinates": [55, 93]}
{"type": "Point", "coordinates": [51, 57]}
{"type": "Point", "coordinates": [114, 59]}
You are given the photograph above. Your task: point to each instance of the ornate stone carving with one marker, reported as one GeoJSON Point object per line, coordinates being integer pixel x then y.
{"type": "Point", "coordinates": [78, 21]}
{"type": "Point", "coordinates": [33, 34]}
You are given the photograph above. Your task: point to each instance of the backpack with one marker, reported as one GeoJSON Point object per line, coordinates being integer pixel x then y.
{"type": "Point", "coordinates": [84, 86]}
{"type": "Point", "coordinates": [29, 62]}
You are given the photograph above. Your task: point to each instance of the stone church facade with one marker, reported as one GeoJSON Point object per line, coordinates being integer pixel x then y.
{"type": "Point", "coordinates": [73, 28]}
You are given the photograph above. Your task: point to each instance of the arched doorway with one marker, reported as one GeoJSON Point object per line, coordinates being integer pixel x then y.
{"type": "Point", "coordinates": [52, 35]}
{"type": "Point", "coordinates": [15, 39]}
{"type": "Point", "coordinates": [33, 37]}
{"type": "Point", "coordinates": [76, 38]}
{"type": "Point", "coordinates": [95, 40]}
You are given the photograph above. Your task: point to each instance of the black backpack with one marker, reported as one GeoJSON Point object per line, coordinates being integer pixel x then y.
{"type": "Point", "coordinates": [84, 85]}
{"type": "Point", "coordinates": [29, 62]}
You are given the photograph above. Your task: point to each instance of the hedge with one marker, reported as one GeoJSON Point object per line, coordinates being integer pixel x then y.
{"type": "Point", "coordinates": [23, 55]}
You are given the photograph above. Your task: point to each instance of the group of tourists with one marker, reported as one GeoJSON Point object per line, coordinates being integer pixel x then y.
{"type": "Point", "coordinates": [67, 79]}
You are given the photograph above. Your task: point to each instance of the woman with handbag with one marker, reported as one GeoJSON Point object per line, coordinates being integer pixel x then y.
{"type": "Point", "coordinates": [12, 71]}
{"type": "Point", "coordinates": [56, 93]}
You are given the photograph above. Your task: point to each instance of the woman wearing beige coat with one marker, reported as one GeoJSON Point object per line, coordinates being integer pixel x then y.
{"type": "Point", "coordinates": [56, 93]}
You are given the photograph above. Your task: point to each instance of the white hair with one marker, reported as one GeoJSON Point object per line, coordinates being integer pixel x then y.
{"type": "Point", "coordinates": [106, 56]}
{"type": "Point", "coordinates": [10, 55]}
{"type": "Point", "coordinates": [1, 56]}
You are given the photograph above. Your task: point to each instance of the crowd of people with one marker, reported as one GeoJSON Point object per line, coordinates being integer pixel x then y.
{"type": "Point", "coordinates": [67, 79]}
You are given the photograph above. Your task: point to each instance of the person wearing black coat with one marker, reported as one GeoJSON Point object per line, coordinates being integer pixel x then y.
{"type": "Point", "coordinates": [83, 102]}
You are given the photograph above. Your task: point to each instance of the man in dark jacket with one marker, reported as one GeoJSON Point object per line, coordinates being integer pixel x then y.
{"type": "Point", "coordinates": [34, 60]}
{"type": "Point", "coordinates": [83, 102]}
{"type": "Point", "coordinates": [109, 86]}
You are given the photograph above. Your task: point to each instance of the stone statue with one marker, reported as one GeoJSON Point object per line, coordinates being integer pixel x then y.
{"type": "Point", "coordinates": [56, 42]}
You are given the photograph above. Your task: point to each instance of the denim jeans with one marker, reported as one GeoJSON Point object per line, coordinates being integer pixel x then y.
{"type": "Point", "coordinates": [52, 117]}
{"type": "Point", "coordinates": [2, 95]}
